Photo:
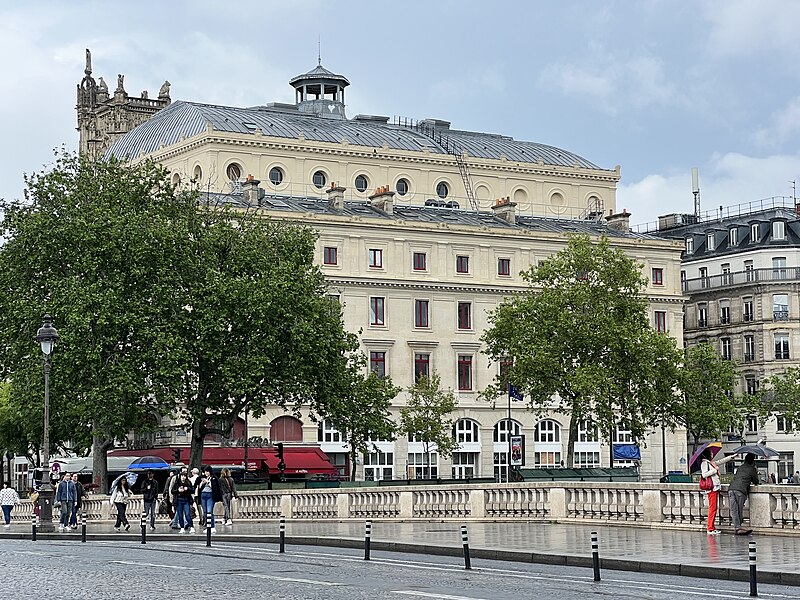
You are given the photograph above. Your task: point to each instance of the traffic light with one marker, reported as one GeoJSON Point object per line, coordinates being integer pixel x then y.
{"type": "Point", "coordinates": [281, 463]}
{"type": "Point", "coordinates": [176, 455]}
{"type": "Point", "coordinates": [280, 451]}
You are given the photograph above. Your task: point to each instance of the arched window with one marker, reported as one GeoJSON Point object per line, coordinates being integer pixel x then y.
{"type": "Point", "coordinates": [286, 429]}
{"type": "Point", "coordinates": [466, 431]}
{"type": "Point", "coordinates": [501, 430]}
{"type": "Point", "coordinates": [547, 431]}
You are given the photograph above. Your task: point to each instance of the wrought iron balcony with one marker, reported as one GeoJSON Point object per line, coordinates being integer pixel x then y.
{"type": "Point", "coordinates": [741, 278]}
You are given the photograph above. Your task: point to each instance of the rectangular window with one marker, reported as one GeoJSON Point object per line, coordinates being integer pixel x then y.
{"type": "Point", "coordinates": [420, 261]}
{"type": "Point", "coordinates": [504, 266]}
{"type": "Point", "coordinates": [783, 425]}
{"type": "Point", "coordinates": [704, 276]}
{"type": "Point", "coordinates": [749, 348]}
{"type": "Point", "coordinates": [465, 315]}
{"type": "Point", "coordinates": [709, 241]}
{"type": "Point", "coordinates": [724, 312]}
{"type": "Point", "coordinates": [725, 348]}
{"type": "Point", "coordinates": [755, 236]}
{"type": "Point", "coordinates": [751, 424]}
{"type": "Point", "coordinates": [726, 274]}
{"type": "Point", "coordinates": [465, 372]}
{"type": "Point", "coordinates": [661, 321]}
{"type": "Point", "coordinates": [749, 273]}
{"type": "Point", "coordinates": [778, 230]}
{"type": "Point", "coordinates": [422, 365]}
{"type": "Point", "coordinates": [375, 258]}
{"type": "Point", "coordinates": [376, 314]}
{"type": "Point", "coordinates": [747, 309]}
{"type": "Point", "coordinates": [658, 276]}
{"type": "Point", "coordinates": [752, 384]}
{"type": "Point", "coordinates": [544, 460]}
{"type": "Point", "coordinates": [780, 307]}
{"type": "Point", "coordinates": [689, 245]}
{"type": "Point", "coordinates": [377, 364]}
{"type": "Point", "coordinates": [462, 264]}
{"type": "Point", "coordinates": [330, 255]}
{"type": "Point", "coordinates": [702, 315]}
{"type": "Point", "coordinates": [781, 346]}
{"type": "Point", "coordinates": [421, 313]}
{"type": "Point", "coordinates": [587, 460]}
{"type": "Point", "coordinates": [422, 466]}
{"type": "Point", "coordinates": [733, 236]}
{"type": "Point", "coordinates": [779, 268]}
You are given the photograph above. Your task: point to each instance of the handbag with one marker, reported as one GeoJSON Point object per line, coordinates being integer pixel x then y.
{"type": "Point", "coordinates": [706, 484]}
{"type": "Point", "coordinates": [163, 507]}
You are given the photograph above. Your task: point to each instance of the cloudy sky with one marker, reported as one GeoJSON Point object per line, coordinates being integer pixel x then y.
{"type": "Point", "coordinates": [654, 86]}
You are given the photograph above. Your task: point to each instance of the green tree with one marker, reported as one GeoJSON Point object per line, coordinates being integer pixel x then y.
{"type": "Point", "coordinates": [363, 415]}
{"type": "Point", "coordinates": [256, 325]}
{"type": "Point", "coordinates": [706, 404]}
{"type": "Point", "coordinates": [582, 344]}
{"type": "Point", "coordinates": [426, 418]}
{"type": "Point", "coordinates": [93, 244]}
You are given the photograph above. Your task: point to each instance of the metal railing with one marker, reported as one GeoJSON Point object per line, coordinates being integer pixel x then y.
{"type": "Point", "coordinates": [750, 276]}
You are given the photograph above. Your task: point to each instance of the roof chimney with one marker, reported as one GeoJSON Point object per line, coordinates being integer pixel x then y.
{"type": "Point", "coordinates": [504, 208]}
{"type": "Point", "coordinates": [336, 196]}
{"type": "Point", "coordinates": [620, 221]}
{"type": "Point", "coordinates": [383, 199]}
{"type": "Point", "coordinates": [251, 192]}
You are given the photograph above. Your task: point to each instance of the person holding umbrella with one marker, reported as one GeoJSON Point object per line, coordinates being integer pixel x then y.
{"type": "Point", "coordinates": [739, 489]}
{"type": "Point", "coordinates": [710, 470]}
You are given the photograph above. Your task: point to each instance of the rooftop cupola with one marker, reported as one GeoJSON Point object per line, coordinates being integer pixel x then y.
{"type": "Point", "coordinates": [320, 92]}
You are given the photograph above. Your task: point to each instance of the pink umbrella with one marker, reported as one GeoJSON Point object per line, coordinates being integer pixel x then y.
{"type": "Point", "coordinates": [694, 462]}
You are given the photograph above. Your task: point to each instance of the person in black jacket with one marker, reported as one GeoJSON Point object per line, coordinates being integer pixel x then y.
{"type": "Point", "coordinates": [150, 497]}
{"type": "Point", "coordinates": [210, 493]}
{"type": "Point", "coordinates": [183, 492]}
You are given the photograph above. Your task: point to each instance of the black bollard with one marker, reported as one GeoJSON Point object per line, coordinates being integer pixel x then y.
{"type": "Point", "coordinates": [465, 542]}
{"type": "Point", "coordinates": [282, 538]}
{"type": "Point", "coordinates": [595, 557]}
{"type": "Point", "coordinates": [143, 524]}
{"type": "Point", "coordinates": [753, 574]}
{"type": "Point", "coordinates": [367, 536]}
{"type": "Point", "coordinates": [208, 531]}
{"type": "Point", "coordinates": [33, 528]}
{"type": "Point", "coordinates": [83, 527]}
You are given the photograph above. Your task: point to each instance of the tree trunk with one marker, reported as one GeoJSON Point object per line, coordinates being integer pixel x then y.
{"type": "Point", "coordinates": [100, 446]}
{"type": "Point", "coordinates": [353, 455]}
{"type": "Point", "coordinates": [198, 438]}
{"type": "Point", "coordinates": [569, 463]}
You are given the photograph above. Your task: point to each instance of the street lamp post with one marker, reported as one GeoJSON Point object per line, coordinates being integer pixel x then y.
{"type": "Point", "coordinates": [47, 336]}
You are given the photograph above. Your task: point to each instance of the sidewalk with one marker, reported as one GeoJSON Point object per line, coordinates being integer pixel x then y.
{"type": "Point", "coordinates": [669, 551]}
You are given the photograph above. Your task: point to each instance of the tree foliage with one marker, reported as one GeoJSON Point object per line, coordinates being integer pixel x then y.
{"type": "Point", "coordinates": [706, 404]}
{"type": "Point", "coordinates": [363, 413]}
{"type": "Point", "coordinates": [781, 395]}
{"type": "Point", "coordinates": [582, 345]}
{"type": "Point", "coordinates": [426, 417]}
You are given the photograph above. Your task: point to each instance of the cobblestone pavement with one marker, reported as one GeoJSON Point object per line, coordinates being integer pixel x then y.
{"type": "Point", "coordinates": [123, 569]}
{"type": "Point", "coordinates": [776, 553]}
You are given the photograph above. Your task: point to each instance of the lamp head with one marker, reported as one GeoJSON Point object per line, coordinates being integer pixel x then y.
{"type": "Point", "coordinates": [47, 336]}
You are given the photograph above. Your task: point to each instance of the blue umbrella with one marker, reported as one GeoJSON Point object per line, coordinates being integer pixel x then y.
{"type": "Point", "coordinates": [149, 462]}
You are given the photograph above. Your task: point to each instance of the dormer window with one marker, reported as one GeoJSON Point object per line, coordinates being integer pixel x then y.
{"type": "Point", "coordinates": [733, 236]}
{"type": "Point", "coordinates": [709, 241]}
{"type": "Point", "coordinates": [778, 230]}
{"type": "Point", "coordinates": [689, 245]}
{"type": "Point", "coordinates": [755, 235]}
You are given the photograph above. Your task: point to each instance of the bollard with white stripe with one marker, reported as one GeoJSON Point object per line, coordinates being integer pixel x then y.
{"type": "Point", "coordinates": [465, 543]}
{"type": "Point", "coordinates": [208, 531]}
{"type": "Point", "coordinates": [595, 556]}
{"type": "Point", "coordinates": [367, 536]}
{"type": "Point", "coordinates": [143, 524]}
{"type": "Point", "coordinates": [83, 527]}
{"type": "Point", "coordinates": [33, 528]}
{"type": "Point", "coordinates": [282, 547]}
{"type": "Point", "coordinates": [753, 574]}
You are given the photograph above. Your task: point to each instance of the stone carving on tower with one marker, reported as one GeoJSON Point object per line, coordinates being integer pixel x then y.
{"type": "Point", "coordinates": [103, 118]}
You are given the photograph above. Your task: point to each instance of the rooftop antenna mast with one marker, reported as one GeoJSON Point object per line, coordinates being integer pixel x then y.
{"type": "Point", "coordinates": [319, 50]}
{"type": "Point", "coordinates": [696, 192]}
{"type": "Point", "coordinates": [794, 190]}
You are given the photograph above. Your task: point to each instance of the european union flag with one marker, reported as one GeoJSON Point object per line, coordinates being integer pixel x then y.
{"type": "Point", "coordinates": [514, 392]}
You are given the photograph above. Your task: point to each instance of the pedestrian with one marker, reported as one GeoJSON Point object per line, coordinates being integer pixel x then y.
{"type": "Point", "coordinates": [66, 495]}
{"type": "Point", "coordinates": [739, 489]}
{"type": "Point", "coordinates": [80, 494]}
{"type": "Point", "coordinates": [210, 493]}
{"type": "Point", "coordinates": [772, 478]}
{"type": "Point", "coordinates": [150, 497]}
{"type": "Point", "coordinates": [228, 488]}
{"type": "Point", "coordinates": [710, 469]}
{"type": "Point", "coordinates": [8, 500]}
{"type": "Point", "coordinates": [173, 500]}
{"type": "Point", "coordinates": [120, 498]}
{"type": "Point", "coordinates": [196, 507]}
{"type": "Point", "coordinates": [796, 478]}
{"type": "Point", "coordinates": [183, 492]}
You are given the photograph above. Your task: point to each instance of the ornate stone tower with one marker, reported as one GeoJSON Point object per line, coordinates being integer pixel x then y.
{"type": "Point", "coordinates": [102, 118]}
{"type": "Point", "coordinates": [320, 92]}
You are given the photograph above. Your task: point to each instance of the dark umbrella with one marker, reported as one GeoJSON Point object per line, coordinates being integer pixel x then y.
{"type": "Point", "coordinates": [758, 450]}
{"type": "Point", "coordinates": [131, 477]}
{"type": "Point", "coordinates": [694, 462]}
{"type": "Point", "coordinates": [149, 462]}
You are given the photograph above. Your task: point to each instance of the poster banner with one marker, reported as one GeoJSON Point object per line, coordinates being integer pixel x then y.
{"type": "Point", "coordinates": [517, 450]}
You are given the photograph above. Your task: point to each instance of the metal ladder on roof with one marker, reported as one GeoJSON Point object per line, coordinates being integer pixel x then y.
{"type": "Point", "coordinates": [451, 148]}
{"type": "Point", "coordinates": [593, 211]}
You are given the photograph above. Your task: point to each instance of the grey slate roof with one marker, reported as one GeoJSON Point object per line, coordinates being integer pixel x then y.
{"type": "Point", "coordinates": [186, 119]}
{"type": "Point", "coordinates": [429, 214]}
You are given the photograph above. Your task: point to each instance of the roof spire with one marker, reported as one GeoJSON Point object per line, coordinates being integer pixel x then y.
{"type": "Point", "coordinates": [88, 69]}
{"type": "Point", "coordinates": [319, 50]}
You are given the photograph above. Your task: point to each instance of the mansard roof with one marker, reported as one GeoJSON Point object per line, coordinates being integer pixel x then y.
{"type": "Point", "coordinates": [428, 214]}
{"type": "Point", "coordinates": [186, 119]}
